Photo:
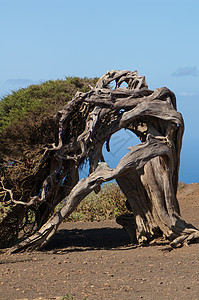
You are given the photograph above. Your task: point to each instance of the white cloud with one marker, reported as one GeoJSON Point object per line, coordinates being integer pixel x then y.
{"type": "Point", "coordinates": [186, 71]}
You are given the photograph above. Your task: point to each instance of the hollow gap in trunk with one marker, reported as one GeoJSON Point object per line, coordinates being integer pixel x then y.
{"type": "Point", "coordinates": [119, 144]}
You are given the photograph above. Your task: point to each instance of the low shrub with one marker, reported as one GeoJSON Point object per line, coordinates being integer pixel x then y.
{"type": "Point", "coordinates": [107, 204]}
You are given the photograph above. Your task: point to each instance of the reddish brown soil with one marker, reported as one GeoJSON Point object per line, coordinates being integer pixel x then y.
{"type": "Point", "coordinates": [95, 261]}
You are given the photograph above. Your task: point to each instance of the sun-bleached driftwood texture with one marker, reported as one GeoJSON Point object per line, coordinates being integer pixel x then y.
{"type": "Point", "coordinates": [147, 175]}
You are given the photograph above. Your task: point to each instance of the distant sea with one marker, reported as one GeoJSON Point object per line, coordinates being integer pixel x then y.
{"type": "Point", "coordinates": [189, 167]}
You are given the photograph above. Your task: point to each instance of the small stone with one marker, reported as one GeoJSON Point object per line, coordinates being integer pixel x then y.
{"type": "Point", "coordinates": [107, 284]}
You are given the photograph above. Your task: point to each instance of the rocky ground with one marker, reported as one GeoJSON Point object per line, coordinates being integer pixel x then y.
{"type": "Point", "coordinates": [96, 261]}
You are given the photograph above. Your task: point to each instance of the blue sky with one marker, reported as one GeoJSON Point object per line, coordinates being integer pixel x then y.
{"type": "Point", "coordinates": [45, 39]}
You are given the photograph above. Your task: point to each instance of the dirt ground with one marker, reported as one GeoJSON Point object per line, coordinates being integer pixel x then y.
{"type": "Point", "coordinates": [96, 261]}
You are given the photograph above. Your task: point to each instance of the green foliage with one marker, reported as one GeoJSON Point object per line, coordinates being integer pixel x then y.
{"type": "Point", "coordinates": [28, 118]}
{"type": "Point", "coordinates": [3, 211]}
{"type": "Point", "coordinates": [107, 204]}
{"type": "Point", "coordinates": [43, 99]}
{"type": "Point", "coordinates": [181, 185]}
{"type": "Point", "coordinates": [67, 297]}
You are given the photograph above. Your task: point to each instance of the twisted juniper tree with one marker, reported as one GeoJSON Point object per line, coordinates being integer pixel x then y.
{"type": "Point", "coordinates": [147, 175]}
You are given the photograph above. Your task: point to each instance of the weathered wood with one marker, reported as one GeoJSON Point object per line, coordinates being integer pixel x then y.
{"type": "Point", "coordinates": [148, 174]}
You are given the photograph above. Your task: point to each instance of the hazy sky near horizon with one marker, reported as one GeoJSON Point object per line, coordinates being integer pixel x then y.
{"type": "Point", "coordinates": [45, 39]}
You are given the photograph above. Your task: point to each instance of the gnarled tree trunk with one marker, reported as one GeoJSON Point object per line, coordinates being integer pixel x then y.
{"type": "Point", "coordinates": [148, 174]}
